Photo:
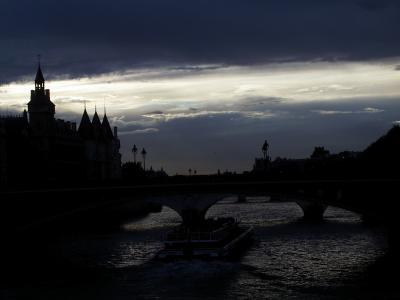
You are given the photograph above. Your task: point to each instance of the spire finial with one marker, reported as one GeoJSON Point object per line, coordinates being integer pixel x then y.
{"type": "Point", "coordinates": [84, 104]}
{"type": "Point", "coordinates": [104, 106]}
{"type": "Point", "coordinates": [39, 56]}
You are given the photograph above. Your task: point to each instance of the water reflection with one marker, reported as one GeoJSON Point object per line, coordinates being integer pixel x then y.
{"type": "Point", "coordinates": [289, 259]}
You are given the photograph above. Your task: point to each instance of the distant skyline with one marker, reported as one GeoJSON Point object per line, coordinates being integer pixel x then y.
{"type": "Point", "coordinates": [201, 85]}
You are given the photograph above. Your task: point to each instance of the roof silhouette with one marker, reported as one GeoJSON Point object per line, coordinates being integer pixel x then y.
{"type": "Point", "coordinates": [97, 128]}
{"type": "Point", "coordinates": [39, 75]}
{"type": "Point", "coordinates": [85, 127]}
{"type": "Point", "coordinates": [106, 127]}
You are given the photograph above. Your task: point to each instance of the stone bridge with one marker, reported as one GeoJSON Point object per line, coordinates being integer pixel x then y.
{"type": "Point", "coordinates": [371, 198]}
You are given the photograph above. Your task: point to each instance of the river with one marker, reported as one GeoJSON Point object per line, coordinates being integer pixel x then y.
{"type": "Point", "coordinates": [289, 259]}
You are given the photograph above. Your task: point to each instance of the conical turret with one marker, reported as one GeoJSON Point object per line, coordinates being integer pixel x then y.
{"type": "Point", "coordinates": [97, 129]}
{"type": "Point", "coordinates": [107, 132]}
{"type": "Point", "coordinates": [85, 129]}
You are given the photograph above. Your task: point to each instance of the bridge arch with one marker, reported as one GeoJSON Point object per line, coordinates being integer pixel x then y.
{"type": "Point", "coordinates": [192, 208]}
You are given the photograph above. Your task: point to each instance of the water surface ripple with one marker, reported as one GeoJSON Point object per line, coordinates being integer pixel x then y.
{"type": "Point", "coordinates": [289, 259]}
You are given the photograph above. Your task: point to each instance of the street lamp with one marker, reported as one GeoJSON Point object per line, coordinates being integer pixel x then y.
{"type": "Point", "coordinates": [134, 151]}
{"type": "Point", "coordinates": [265, 149]}
{"type": "Point", "coordinates": [144, 158]}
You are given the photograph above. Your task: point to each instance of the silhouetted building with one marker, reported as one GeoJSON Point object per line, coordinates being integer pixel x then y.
{"type": "Point", "coordinates": [320, 153]}
{"type": "Point", "coordinates": [36, 148]}
{"type": "Point", "coordinates": [260, 165]}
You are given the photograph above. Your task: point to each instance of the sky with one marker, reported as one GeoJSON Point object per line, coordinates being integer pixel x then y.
{"type": "Point", "coordinates": [201, 84]}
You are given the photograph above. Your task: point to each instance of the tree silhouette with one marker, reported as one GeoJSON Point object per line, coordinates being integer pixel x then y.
{"type": "Point", "coordinates": [320, 153]}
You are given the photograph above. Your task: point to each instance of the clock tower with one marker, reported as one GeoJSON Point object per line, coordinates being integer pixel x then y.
{"type": "Point", "coordinates": [40, 108]}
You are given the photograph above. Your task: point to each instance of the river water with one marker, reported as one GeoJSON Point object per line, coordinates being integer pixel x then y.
{"type": "Point", "coordinates": [289, 259]}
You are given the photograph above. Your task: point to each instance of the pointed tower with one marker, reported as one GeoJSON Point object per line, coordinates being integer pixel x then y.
{"type": "Point", "coordinates": [107, 132]}
{"type": "Point", "coordinates": [97, 128]}
{"type": "Point", "coordinates": [40, 108]}
{"type": "Point", "coordinates": [39, 79]}
{"type": "Point", "coordinates": [85, 129]}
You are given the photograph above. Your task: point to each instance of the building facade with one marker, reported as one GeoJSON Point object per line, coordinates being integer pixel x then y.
{"type": "Point", "coordinates": [36, 148]}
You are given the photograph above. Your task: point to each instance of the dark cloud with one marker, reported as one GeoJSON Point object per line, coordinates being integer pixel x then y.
{"type": "Point", "coordinates": [260, 103]}
{"type": "Point", "coordinates": [365, 110]}
{"type": "Point", "coordinates": [196, 68]}
{"type": "Point", "coordinates": [66, 100]}
{"type": "Point", "coordinates": [69, 116]}
{"type": "Point", "coordinates": [374, 5]}
{"type": "Point", "coordinates": [79, 38]}
{"type": "Point", "coordinates": [397, 68]}
{"type": "Point", "coordinates": [139, 131]}
{"type": "Point", "coordinates": [156, 112]}
{"type": "Point", "coordinates": [132, 128]}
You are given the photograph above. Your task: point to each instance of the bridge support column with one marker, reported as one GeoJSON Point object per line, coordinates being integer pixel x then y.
{"type": "Point", "coordinates": [313, 211]}
{"type": "Point", "coordinates": [241, 198]}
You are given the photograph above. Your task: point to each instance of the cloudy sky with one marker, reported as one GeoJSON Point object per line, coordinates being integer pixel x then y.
{"type": "Point", "coordinates": [201, 84]}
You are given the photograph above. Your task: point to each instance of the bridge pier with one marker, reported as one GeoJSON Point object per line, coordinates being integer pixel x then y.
{"type": "Point", "coordinates": [312, 211]}
{"type": "Point", "coordinates": [241, 198]}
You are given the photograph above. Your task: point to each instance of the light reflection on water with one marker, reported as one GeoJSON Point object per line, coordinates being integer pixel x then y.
{"type": "Point", "coordinates": [289, 258]}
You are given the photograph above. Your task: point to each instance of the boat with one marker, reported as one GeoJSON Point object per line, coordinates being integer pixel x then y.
{"type": "Point", "coordinates": [214, 238]}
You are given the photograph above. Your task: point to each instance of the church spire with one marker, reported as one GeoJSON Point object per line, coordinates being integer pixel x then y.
{"type": "Point", "coordinates": [39, 79]}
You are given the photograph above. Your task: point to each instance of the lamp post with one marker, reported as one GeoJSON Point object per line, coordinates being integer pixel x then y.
{"type": "Point", "coordinates": [144, 158]}
{"type": "Point", "coordinates": [265, 149]}
{"type": "Point", "coordinates": [134, 151]}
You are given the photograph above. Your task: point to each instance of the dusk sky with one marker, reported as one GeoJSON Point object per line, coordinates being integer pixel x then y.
{"type": "Point", "coordinates": [201, 84]}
